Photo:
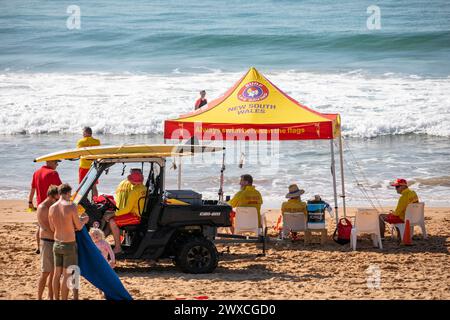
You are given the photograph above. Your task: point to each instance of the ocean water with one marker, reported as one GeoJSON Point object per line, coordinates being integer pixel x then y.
{"type": "Point", "coordinates": [131, 65]}
{"type": "Point", "coordinates": [369, 166]}
{"type": "Point", "coordinates": [166, 35]}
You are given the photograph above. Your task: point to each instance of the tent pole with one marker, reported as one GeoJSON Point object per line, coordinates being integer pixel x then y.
{"type": "Point", "coordinates": [222, 177]}
{"type": "Point", "coordinates": [179, 173]}
{"type": "Point", "coordinates": [333, 173]}
{"type": "Point", "coordinates": [341, 158]}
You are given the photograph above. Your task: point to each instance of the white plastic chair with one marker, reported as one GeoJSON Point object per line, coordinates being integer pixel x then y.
{"type": "Point", "coordinates": [366, 221]}
{"type": "Point", "coordinates": [415, 215]}
{"type": "Point", "coordinates": [246, 220]}
{"type": "Point", "coordinates": [293, 221]}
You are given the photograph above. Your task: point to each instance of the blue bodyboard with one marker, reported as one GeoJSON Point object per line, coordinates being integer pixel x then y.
{"type": "Point", "coordinates": [96, 269]}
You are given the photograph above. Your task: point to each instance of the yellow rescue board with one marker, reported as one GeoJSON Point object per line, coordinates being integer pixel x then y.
{"type": "Point", "coordinates": [154, 150]}
{"type": "Point", "coordinates": [135, 155]}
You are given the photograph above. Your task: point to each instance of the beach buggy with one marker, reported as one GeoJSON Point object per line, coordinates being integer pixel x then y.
{"type": "Point", "coordinates": [175, 224]}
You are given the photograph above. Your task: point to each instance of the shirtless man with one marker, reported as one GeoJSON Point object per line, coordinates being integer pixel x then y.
{"type": "Point", "coordinates": [64, 221]}
{"type": "Point", "coordinates": [46, 243]}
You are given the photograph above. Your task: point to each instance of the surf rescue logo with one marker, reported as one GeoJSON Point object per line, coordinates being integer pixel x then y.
{"type": "Point", "coordinates": [253, 91]}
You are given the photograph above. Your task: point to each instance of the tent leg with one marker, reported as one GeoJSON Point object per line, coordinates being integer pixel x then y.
{"type": "Point", "coordinates": [333, 173]}
{"type": "Point", "coordinates": [341, 158]}
{"type": "Point", "coordinates": [179, 173]}
{"type": "Point", "coordinates": [222, 177]}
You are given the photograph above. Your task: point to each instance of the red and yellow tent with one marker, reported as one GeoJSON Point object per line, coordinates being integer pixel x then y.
{"type": "Point", "coordinates": [255, 109]}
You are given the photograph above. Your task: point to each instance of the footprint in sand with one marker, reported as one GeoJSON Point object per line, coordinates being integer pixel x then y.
{"type": "Point", "coordinates": [390, 267]}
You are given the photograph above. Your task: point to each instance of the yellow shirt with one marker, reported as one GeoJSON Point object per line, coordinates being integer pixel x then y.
{"type": "Point", "coordinates": [408, 196]}
{"type": "Point", "coordinates": [87, 142]}
{"type": "Point", "coordinates": [294, 205]}
{"type": "Point", "coordinates": [130, 198]}
{"type": "Point", "coordinates": [248, 197]}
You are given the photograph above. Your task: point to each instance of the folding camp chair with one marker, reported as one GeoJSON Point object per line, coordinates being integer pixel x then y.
{"type": "Point", "coordinates": [293, 222]}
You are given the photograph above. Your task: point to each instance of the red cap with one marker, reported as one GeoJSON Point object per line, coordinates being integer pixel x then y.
{"type": "Point", "coordinates": [399, 182]}
{"type": "Point", "coordinates": [136, 178]}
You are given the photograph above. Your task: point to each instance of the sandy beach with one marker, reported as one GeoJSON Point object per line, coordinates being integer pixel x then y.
{"type": "Point", "coordinates": [288, 271]}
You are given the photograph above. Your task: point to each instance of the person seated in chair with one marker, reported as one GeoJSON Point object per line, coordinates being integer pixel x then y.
{"type": "Point", "coordinates": [248, 196]}
{"type": "Point", "coordinates": [294, 204]}
{"type": "Point", "coordinates": [128, 198]}
{"type": "Point", "coordinates": [318, 199]}
{"type": "Point", "coordinates": [407, 196]}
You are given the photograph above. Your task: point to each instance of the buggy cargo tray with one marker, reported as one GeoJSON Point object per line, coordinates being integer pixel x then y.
{"type": "Point", "coordinates": [213, 213]}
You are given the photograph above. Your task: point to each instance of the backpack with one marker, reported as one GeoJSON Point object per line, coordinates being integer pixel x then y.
{"type": "Point", "coordinates": [342, 233]}
{"type": "Point", "coordinates": [103, 200]}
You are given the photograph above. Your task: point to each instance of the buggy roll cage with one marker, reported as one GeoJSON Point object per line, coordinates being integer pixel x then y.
{"type": "Point", "coordinates": [149, 219]}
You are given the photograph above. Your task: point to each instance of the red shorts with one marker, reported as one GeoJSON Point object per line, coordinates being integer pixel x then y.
{"type": "Point", "coordinates": [393, 219]}
{"type": "Point", "coordinates": [126, 220]}
{"type": "Point", "coordinates": [82, 172]}
{"type": "Point", "coordinates": [232, 216]}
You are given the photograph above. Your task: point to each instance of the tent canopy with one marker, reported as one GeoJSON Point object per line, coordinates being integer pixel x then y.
{"type": "Point", "coordinates": [254, 109]}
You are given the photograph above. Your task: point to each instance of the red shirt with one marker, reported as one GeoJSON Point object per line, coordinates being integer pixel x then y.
{"type": "Point", "coordinates": [200, 103]}
{"type": "Point", "coordinates": [42, 179]}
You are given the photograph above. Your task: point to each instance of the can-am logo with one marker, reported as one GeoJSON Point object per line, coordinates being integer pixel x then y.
{"type": "Point", "coordinates": [209, 214]}
{"type": "Point", "coordinates": [253, 91]}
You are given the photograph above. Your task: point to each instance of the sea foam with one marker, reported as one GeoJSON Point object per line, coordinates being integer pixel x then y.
{"type": "Point", "coordinates": [128, 104]}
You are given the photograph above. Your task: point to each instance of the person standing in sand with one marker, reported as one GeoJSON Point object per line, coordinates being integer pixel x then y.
{"type": "Point", "coordinates": [46, 237]}
{"type": "Point", "coordinates": [64, 221]}
{"type": "Point", "coordinates": [98, 237]}
{"type": "Point", "coordinates": [407, 196]}
{"type": "Point", "coordinates": [42, 179]}
{"type": "Point", "coordinates": [85, 165]}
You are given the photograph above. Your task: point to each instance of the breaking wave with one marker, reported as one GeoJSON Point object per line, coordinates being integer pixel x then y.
{"type": "Point", "coordinates": [130, 104]}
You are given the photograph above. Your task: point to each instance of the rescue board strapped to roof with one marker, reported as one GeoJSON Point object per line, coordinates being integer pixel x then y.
{"type": "Point", "coordinates": [128, 151]}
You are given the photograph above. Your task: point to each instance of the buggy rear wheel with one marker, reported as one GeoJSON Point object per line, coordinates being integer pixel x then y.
{"type": "Point", "coordinates": [197, 255]}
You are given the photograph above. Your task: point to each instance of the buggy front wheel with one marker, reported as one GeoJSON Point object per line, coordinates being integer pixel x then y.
{"type": "Point", "coordinates": [197, 255]}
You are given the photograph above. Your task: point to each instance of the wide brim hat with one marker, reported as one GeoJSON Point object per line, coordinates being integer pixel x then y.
{"type": "Point", "coordinates": [294, 191]}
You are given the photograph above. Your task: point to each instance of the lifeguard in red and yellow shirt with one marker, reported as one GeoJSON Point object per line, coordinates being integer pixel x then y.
{"type": "Point", "coordinates": [248, 196]}
{"type": "Point", "coordinates": [87, 141]}
{"type": "Point", "coordinates": [130, 200]}
{"type": "Point", "coordinates": [407, 196]}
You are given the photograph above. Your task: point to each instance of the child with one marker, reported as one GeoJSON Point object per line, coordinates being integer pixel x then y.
{"type": "Point", "coordinates": [98, 237]}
